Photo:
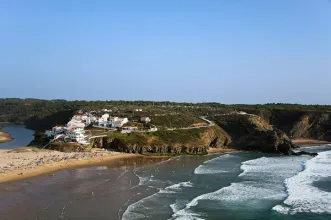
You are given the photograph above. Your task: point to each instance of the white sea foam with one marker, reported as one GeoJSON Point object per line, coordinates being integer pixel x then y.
{"type": "Point", "coordinates": [207, 168]}
{"type": "Point", "coordinates": [261, 180]}
{"type": "Point", "coordinates": [135, 210]}
{"type": "Point", "coordinates": [176, 187]}
{"type": "Point", "coordinates": [178, 205]}
{"type": "Point", "coordinates": [303, 196]}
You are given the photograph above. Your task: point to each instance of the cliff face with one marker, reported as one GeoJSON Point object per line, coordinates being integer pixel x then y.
{"type": "Point", "coordinates": [196, 141]}
{"type": "Point", "coordinates": [253, 133]}
{"type": "Point", "coordinates": [301, 124]}
{"type": "Point", "coordinates": [313, 126]}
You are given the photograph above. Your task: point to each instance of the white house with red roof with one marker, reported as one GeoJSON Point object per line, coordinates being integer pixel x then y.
{"type": "Point", "coordinates": [145, 119]}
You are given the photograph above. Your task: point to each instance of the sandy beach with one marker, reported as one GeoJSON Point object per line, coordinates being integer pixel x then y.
{"type": "Point", "coordinates": [4, 137]}
{"type": "Point", "coordinates": [302, 142]}
{"type": "Point", "coordinates": [29, 162]}
{"type": "Point", "coordinates": [212, 150]}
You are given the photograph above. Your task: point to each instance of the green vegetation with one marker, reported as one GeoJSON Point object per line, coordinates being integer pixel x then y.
{"type": "Point", "coordinates": [179, 136]}
{"type": "Point", "coordinates": [164, 137]}
{"type": "Point", "coordinates": [176, 120]}
{"type": "Point", "coordinates": [40, 114]}
{"type": "Point", "coordinates": [130, 139]}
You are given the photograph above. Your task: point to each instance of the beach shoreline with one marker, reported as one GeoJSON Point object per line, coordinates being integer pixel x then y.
{"type": "Point", "coordinates": [302, 142]}
{"type": "Point", "coordinates": [29, 159]}
{"type": "Point", "coordinates": [54, 161]}
{"type": "Point", "coordinates": [4, 136]}
{"type": "Point", "coordinates": [213, 150]}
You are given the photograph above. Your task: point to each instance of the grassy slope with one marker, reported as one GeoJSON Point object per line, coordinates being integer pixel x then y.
{"type": "Point", "coordinates": [175, 121]}
{"type": "Point", "coordinates": [160, 137]}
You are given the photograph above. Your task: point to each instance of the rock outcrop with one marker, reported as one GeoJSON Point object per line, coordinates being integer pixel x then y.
{"type": "Point", "coordinates": [300, 124]}
{"type": "Point", "coordinates": [253, 133]}
{"type": "Point", "coordinates": [194, 141]}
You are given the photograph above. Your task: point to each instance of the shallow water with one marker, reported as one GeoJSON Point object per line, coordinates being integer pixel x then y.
{"type": "Point", "coordinates": [219, 186]}
{"type": "Point", "coordinates": [20, 134]}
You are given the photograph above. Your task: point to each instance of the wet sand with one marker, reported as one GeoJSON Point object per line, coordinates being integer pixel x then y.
{"type": "Point", "coordinates": [212, 150]}
{"type": "Point", "coordinates": [99, 192]}
{"type": "Point", "coordinates": [28, 162]}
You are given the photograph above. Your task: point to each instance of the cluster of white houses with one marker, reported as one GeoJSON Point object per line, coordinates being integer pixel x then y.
{"type": "Point", "coordinates": [74, 129]}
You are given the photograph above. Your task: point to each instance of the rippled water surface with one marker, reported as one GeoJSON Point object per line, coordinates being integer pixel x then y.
{"type": "Point", "coordinates": [220, 186]}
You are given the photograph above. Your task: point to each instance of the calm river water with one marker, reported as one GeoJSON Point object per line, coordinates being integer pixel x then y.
{"type": "Point", "coordinates": [22, 136]}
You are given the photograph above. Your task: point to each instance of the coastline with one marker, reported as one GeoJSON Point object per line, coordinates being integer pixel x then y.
{"type": "Point", "coordinates": [53, 161]}
{"type": "Point", "coordinates": [67, 160]}
{"type": "Point", "coordinates": [4, 136]}
{"type": "Point", "coordinates": [302, 142]}
{"type": "Point", "coordinates": [213, 150]}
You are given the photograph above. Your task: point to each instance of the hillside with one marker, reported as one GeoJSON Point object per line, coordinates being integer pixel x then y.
{"type": "Point", "coordinates": [253, 133]}
{"type": "Point", "coordinates": [300, 123]}
{"type": "Point", "coordinates": [176, 121]}
{"type": "Point", "coordinates": [191, 141]}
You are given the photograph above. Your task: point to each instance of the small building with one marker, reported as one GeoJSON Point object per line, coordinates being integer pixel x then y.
{"type": "Point", "coordinates": [58, 130]}
{"type": "Point", "coordinates": [242, 113]}
{"type": "Point", "coordinates": [153, 129]}
{"type": "Point", "coordinates": [145, 119]}
{"type": "Point", "coordinates": [117, 122]}
{"type": "Point", "coordinates": [105, 117]}
{"type": "Point", "coordinates": [48, 133]}
{"type": "Point", "coordinates": [78, 134]}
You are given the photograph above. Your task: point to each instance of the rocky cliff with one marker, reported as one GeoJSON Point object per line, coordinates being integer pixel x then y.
{"type": "Point", "coordinates": [300, 124]}
{"type": "Point", "coordinates": [193, 141]}
{"type": "Point", "coordinates": [253, 133]}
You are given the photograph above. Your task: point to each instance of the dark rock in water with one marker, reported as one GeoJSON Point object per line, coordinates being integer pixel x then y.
{"type": "Point", "coordinates": [303, 153]}
{"type": "Point", "coordinates": [252, 133]}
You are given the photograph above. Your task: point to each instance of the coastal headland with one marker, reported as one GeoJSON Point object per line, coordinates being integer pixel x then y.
{"type": "Point", "coordinates": [139, 129]}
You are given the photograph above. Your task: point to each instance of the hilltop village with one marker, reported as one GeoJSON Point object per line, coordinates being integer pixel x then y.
{"type": "Point", "coordinates": [75, 129]}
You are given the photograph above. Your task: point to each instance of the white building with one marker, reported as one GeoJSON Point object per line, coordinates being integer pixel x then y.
{"type": "Point", "coordinates": [48, 133]}
{"type": "Point", "coordinates": [105, 117]}
{"type": "Point", "coordinates": [117, 122]}
{"type": "Point", "coordinates": [242, 113]}
{"type": "Point", "coordinates": [145, 119]}
{"type": "Point", "coordinates": [78, 134]}
{"type": "Point", "coordinates": [58, 130]}
{"type": "Point", "coordinates": [75, 123]}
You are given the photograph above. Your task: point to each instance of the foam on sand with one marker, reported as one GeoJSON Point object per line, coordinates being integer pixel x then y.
{"type": "Point", "coordinates": [303, 196]}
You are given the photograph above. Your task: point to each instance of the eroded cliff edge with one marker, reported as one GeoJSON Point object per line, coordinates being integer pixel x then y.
{"type": "Point", "coordinates": [241, 132]}
{"type": "Point", "coordinates": [253, 133]}
{"type": "Point", "coordinates": [195, 141]}
{"type": "Point", "coordinates": [299, 123]}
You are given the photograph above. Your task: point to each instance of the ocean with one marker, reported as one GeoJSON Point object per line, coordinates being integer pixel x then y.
{"type": "Point", "coordinates": [238, 185]}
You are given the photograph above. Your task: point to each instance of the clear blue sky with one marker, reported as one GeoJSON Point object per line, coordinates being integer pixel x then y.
{"type": "Point", "coordinates": [228, 51]}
